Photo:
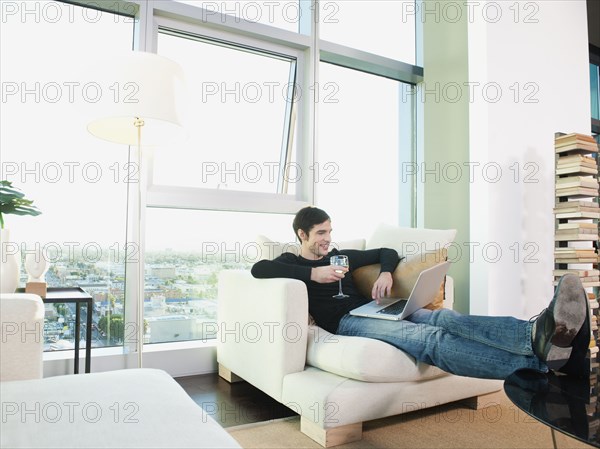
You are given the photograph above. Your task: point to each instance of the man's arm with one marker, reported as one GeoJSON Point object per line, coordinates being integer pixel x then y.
{"type": "Point", "coordinates": [286, 266]}
{"type": "Point", "coordinates": [388, 258]}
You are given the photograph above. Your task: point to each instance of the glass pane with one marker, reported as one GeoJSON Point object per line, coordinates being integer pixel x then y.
{"type": "Point", "coordinates": [382, 27]}
{"type": "Point", "coordinates": [358, 152]}
{"type": "Point", "coordinates": [185, 250]}
{"type": "Point", "coordinates": [235, 120]}
{"type": "Point", "coordinates": [595, 90]}
{"type": "Point", "coordinates": [281, 14]}
{"type": "Point", "coordinates": [76, 180]}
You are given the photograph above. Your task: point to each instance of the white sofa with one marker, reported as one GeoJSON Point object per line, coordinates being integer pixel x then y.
{"type": "Point", "coordinates": [22, 321]}
{"type": "Point", "coordinates": [135, 408]}
{"type": "Point", "coordinates": [334, 382]}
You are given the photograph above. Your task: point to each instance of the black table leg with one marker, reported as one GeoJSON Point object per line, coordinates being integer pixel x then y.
{"type": "Point", "coordinates": [88, 337]}
{"type": "Point", "coordinates": [77, 334]}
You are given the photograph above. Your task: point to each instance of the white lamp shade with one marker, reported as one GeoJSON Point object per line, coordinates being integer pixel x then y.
{"type": "Point", "coordinates": [142, 86]}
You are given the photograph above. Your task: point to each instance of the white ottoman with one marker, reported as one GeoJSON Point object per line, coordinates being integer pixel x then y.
{"type": "Point", "coordinates": [136, 408]}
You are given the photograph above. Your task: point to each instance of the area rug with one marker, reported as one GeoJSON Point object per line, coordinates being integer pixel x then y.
{"type": "Point", "coordinates": [499, 424]}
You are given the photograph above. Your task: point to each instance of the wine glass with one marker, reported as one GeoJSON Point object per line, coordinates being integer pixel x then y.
{"type": "Point", "coordinates": [340, 261]}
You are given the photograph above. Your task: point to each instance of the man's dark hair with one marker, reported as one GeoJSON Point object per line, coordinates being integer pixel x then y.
{"type": "Point", "coordinates": [307, 217]}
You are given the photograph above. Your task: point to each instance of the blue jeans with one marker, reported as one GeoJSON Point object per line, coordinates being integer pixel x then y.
{"type": "Point", "coordinates": [475, 346]}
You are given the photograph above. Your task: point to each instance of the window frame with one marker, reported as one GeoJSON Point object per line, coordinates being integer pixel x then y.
{"type": "Point", "coordinates": [165, 196]}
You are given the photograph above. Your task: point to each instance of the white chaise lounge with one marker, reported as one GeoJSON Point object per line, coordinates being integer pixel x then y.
{"type": "Point", "coordinates": [335, 383]}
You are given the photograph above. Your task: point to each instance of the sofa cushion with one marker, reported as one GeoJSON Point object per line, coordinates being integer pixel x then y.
{"type": "Point", "coordinates": [364, 359]}
{"type": "Point", "coordinates": [350, 244]}
{"type": "Point", "coordinates": [410, 242]}
{"type": "Point", "coordinates": [271, 249]}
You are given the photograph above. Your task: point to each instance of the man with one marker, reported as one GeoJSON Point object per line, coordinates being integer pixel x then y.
{"type": "Point", "coordinates": [476, 346]}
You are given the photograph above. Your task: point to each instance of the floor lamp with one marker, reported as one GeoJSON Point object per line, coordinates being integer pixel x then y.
{"type": "Point", "coordinates": [146, 113]}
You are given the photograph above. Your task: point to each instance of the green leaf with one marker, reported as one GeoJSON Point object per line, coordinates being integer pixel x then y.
{"type": "Point", "coordinates": [28, 208]}
{"type": "Point", "coordinates": [13, 201]}
{"type": "Point", "coordinates": [7, 195]}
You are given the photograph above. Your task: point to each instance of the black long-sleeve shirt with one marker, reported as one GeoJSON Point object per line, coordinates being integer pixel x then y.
{"type": "Point", "coordinates": [326, 310]}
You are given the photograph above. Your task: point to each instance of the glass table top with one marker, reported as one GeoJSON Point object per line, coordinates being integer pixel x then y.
{"type": "Point", "coordinates": [566, 404]}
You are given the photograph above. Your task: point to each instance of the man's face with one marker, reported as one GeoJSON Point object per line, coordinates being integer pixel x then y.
{"type": "Point", "coordinates": [316, 244]}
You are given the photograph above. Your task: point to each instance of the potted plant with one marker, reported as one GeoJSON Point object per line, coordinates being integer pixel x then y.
{"type": "Point", "coordinates": [12, 201]}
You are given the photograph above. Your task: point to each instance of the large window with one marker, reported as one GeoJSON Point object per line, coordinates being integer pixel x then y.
{"type": "Point", "coordinates": [238, 119]}
{"type": "Point", "coordinates": [270, 129]}
{"type": "Point", "coordinates": [359, 146]}
{"type": "Point", "coordinates": [240, 122]}
{"type": "Point", "coordinates": [382, 27]}
{"type": "Point", "coordinates": [185, 251]}
{"type": "Point", "coordinates": [595, 90]}
{"type": "Point", "coordinates": [78, 182]}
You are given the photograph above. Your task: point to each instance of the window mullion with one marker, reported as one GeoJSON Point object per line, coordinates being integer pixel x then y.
{"type": "Point", "coordinates": [363, 61]}
{"type": "Point", "coordinates": [288, 132]}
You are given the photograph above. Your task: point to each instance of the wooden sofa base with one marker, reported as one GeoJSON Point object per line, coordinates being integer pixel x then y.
{"type": "Point", "coordinates": [331, 437]}
{"type": "Point", "coordinates": [478, 402]}
{"type": "Point", "coordinates": [353, 432]}
{"type": "Point", "coordinates": [230, 377]}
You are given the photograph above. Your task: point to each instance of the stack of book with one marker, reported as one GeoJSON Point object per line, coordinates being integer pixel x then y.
{"type": "Point", "coordinates": [576, 164]}
{"type": "Point", "coordinates": [575, 144]}
{"type": "Point", "coordinates": [577, 214]}
{"type": "Point", "coordinates": [577, 209]}
{"type": "Point", "coordinates": [588, 277]}
{"type": "Point", "coordinates": [568, 255]}
{"type": "Point", "coordinates": [576, 186]}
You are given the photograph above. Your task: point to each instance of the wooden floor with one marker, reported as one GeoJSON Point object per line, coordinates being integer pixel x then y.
{"type": "Point", "coordinates": [232, 404]}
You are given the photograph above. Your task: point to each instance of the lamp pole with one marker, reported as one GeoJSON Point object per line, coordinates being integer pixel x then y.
{"type": "Point", "coordinates": [160, 84]}
{"type": "Point", "coordinates": [141, 285]}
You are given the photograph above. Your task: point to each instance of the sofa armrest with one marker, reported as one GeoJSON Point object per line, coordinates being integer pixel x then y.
{"type": "Point", "coordinates": [262, 328]}
{"type": "Point", "coordinates": [22, 342]}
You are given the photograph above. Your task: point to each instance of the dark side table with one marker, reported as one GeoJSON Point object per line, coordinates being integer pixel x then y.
{"type": "Point", "coordinates": [78, 296]}
{"type": "Point", "coordinates": [565, 404]}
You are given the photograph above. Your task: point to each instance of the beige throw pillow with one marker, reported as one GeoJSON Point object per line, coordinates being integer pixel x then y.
{"type": "Point", "coordinates": [405, 276]}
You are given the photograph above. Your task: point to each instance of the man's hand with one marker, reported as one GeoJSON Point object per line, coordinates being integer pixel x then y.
{"type": "Point", "coordinates": [327, 274]}
{"type": "Point", "coordinates": [382, 286]}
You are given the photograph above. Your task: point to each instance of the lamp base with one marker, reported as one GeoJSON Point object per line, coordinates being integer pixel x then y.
{"type": "Point", "coordinates": [37, 288]}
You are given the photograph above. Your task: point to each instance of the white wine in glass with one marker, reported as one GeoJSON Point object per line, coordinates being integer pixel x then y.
{"type": "Point", "coordinates": [340, 261]}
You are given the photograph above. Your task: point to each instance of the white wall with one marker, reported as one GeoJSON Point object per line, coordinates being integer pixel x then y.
{"type": "Point", "coordinates": [545, 50]}
{"type": "Point", "coordinates": [522, 68]}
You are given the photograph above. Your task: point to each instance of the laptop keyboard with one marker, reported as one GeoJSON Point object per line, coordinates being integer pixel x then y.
{"type": "Point", "coordinates": [394, 309]}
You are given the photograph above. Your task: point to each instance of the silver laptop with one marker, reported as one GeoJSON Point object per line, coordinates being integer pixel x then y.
{"type": "Point", "coordinates": [423, 293]}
